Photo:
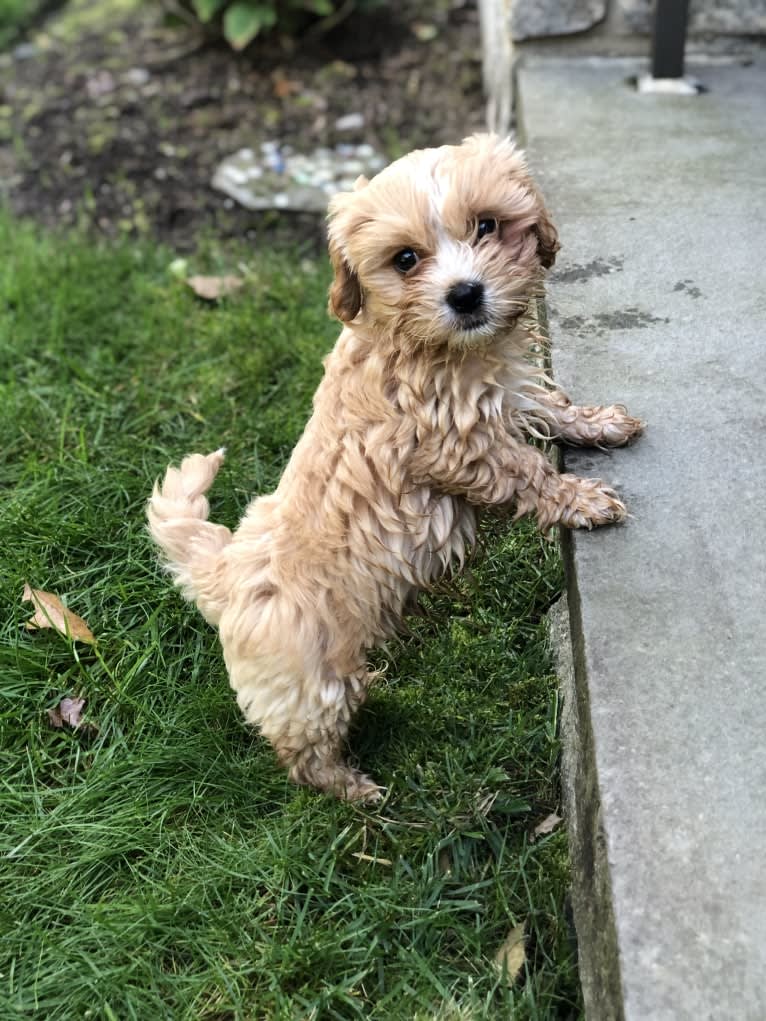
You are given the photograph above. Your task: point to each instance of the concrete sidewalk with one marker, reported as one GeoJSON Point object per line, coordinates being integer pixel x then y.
{"type": "Point", "coordinates": [659, 300]}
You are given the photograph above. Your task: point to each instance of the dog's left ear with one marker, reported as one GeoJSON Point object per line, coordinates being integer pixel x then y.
{"type": "Point", "coordinates": [345, 290]}
{"type": "Point", "coordinates": [547, 236]}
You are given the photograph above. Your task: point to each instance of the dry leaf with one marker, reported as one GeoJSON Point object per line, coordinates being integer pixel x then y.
{"type": "Point", "coordinates": [51, 612]}
{"type": "Point", "coordinates": [512, 956]}
{"type": "Point", "coordinates": [548, 825]}
{"type": "Point", "coordinates": [213, 288]}
{"type": "Point", "coordinates": [284, 87]}
{"type": "Point", "coordinates": [68, 711]}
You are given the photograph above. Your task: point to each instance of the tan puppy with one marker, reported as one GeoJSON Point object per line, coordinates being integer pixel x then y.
{"type": "Point", "coordinates": [418, 422]}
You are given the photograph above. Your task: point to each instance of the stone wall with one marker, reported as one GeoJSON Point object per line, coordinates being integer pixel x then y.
{"type": "Point", "coordinates": [536, 19]}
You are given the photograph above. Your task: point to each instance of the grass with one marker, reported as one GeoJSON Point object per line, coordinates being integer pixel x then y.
{"type": "Point", "coordinates": [162, 867]}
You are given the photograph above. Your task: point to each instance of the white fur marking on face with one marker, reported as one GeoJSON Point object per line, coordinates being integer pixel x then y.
{"type": "Point", "coordinates": [432, 181]}
{"type": "Point", "coordinates": [455, 261]}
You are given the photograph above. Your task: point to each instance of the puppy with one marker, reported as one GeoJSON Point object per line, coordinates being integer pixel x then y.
{"type": "Point", "coordinates": [419, 421]}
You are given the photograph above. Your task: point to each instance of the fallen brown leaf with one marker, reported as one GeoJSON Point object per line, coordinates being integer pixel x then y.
{"type": "Point", "coordinates": [284, 87]}
{"type": "Point", "coordinates": [512, 956]}
{"type": "Point", "coordinates": [68, 711]}
{"type": "Point", "coordinates": [213, 288]}
{"type": "Point", "coordinates": [51, 612]}
{"type": "Point", "coordinates": [548, 825]}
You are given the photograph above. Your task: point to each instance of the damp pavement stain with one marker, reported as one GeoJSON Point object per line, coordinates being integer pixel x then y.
{"type": "Point", "coordinates": [580, 272]}
{"type": "Point", "coordinates": [622, 319]}
{"type": "Point", "coordinates": [689, 287]}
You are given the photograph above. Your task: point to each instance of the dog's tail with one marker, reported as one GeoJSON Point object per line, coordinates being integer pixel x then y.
{"type": "Point", "coordinates": [177, 513]}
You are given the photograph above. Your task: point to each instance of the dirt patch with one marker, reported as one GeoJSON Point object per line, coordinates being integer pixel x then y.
{"type": "Point", "coordinates": [120, 128]}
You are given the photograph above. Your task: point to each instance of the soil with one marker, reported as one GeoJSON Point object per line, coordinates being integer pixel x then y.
{"type": "Point", "coordinates": [119, 126]}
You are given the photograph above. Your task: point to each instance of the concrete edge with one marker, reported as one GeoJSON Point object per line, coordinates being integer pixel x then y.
{"type": "Point", "coordinates": [597, 946]}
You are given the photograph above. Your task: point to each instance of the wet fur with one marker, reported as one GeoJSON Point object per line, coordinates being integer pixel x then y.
{"type": "Point", "coordinates": [417, 423]}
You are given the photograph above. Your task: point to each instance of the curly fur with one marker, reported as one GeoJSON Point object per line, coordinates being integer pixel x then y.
{"type": "Point", "coordinates": [419, 421]}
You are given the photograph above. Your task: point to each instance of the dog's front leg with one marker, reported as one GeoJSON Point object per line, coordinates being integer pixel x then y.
{"type": "Point", "coordinates": [493, 468]}
{"type": "Point", "coordinates": [584, 426]}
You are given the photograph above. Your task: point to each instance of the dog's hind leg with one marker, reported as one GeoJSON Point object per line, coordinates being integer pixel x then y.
{"type": "Point", "coordinates": [313, 747]}
{"type": "Point", "coordinates": [583, 426]}
{"type": "Point", "coordinates": [307, 722]}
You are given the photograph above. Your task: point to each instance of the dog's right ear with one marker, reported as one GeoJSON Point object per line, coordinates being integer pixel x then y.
{"type": "Point", "coordinates": [345, 290]}
{"type": "Point", "coordinates": [547, 236]}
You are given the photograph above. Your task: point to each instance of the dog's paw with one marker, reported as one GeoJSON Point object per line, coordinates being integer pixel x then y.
{"type": "Point", "coordinates": [335, 777]}
{"type": "Point", "coordinates": [590, 504]}
{"type": "Point", "coordinates": [597, 426]}
{"type": "Point", "coordinates": [357, 786]}
{"type": "Point", "coordinates": [618, 428]}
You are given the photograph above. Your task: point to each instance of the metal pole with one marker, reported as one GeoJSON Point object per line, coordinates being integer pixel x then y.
{"type": "Point", "coordinates": [669, 38]}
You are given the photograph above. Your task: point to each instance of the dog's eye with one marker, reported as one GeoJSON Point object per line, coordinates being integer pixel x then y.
{"type": "Point", "coordinates": [486, 226]}
{"type": "Point", "coordinates": [405, 260]}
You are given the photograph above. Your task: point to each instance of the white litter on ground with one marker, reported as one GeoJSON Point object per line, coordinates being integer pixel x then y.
{"type": "Point", "coordinates": [278, 178]}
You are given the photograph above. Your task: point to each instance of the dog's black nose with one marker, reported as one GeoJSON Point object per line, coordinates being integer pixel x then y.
{"type": "Point", "coordinates": [466, 296]}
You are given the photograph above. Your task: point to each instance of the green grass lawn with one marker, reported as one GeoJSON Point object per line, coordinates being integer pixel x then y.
{"type": "Point", "coordinates": [162, 866]}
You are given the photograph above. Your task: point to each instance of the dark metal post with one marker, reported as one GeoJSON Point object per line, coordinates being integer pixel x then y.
{"type": "Point", "coordinates": [669, 38]}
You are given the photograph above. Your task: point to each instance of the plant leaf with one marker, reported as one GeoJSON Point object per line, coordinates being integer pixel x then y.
{"type": "Point", "coordinates": [213, 288]}
{"type": "Point", "coordinates": [321, 7]}
{"type": "Point", "coordinates": [205, 9]}
{"type": "Point", "coordinates": [68, 711]}
{"type": "Point", "coordinates": [285, 87]}
{"type": "Point", "coordinates": [178, 268]}
{"type": "Point", "coordinates": [51, 612]}
{"type": "Point", "coordinates": [548, 825]}
{"type": "Point", "coordinates": [243, 21]}
{"type": "Point", "coordinates": [512, 956]}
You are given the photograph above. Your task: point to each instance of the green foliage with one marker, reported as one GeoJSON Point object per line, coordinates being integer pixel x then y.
{"type": "Point", "coordinates": [162, 866]}
{"type": "Point", "coordinates": [16, 15]}
{"type": "Point", "coordinates": [206, 9]}
{"type": "Point", "coordinates": [242, 20]}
